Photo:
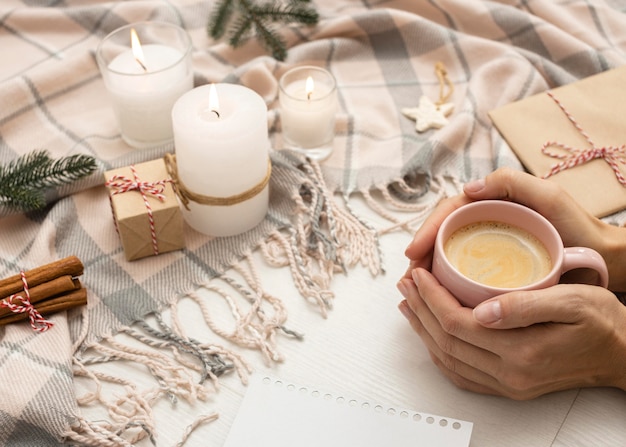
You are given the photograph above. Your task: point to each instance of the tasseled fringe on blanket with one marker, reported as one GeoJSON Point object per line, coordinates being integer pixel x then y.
{"type": "Point", "coordinates": [327, 236]}
{"type": "Point", "coordinates": [91, 434]}
{"type": "Point", "coordinates": [401, 198]}
{"type": "Point", "coordinates": [183, 374]}
{"type": "Point", "coordinates": [255, 325]}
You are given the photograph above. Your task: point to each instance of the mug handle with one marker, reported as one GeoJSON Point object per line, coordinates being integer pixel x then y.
{"type": "Point", "coordinates": [583, 257]}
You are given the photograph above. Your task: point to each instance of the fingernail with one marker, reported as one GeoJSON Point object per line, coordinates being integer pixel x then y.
{"type": "Point", "coordinates": [414, 276]}
{"type": "Point", "coordinates": [402, 288]}
{"type": "Point", "coordinates": [474, 185]}
{"type": "Point", "coordinates": [488, 312]}
{"type": "Point", "coordinates": [405, 310]}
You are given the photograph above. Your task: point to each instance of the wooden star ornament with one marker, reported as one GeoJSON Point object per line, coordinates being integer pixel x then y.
{"type": "Point", "coordinates": [428, 115]}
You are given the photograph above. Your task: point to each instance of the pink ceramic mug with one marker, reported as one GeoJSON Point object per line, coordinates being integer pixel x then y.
{"type": "Point", "coordinates": [470, 292]}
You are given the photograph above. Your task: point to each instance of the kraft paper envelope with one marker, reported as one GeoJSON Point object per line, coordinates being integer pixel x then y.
{"type": "Point", "coordinates": [598, 104]}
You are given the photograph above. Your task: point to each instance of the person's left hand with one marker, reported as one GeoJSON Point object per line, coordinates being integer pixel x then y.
{"type": "Point", "coordinates": [521, 344]}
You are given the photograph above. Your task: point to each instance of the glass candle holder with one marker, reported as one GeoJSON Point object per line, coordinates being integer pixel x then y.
{"type": "Point", "coordinates": [308, 106]}
{"type": "Point", "coordinates": [144, 76]}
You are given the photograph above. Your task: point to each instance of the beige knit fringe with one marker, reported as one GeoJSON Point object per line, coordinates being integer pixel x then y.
{"type": "Point", "coordinates": [327, 237]}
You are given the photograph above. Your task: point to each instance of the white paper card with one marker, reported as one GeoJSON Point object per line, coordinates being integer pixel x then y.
{"type": "Point", "coordinates": [281, 414]}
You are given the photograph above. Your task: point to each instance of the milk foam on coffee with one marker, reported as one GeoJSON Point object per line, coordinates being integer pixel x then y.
{"type": "Point", "coordinates": [498, 254]}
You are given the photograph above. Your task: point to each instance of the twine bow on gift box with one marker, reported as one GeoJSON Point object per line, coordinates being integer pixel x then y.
{"type": "Point", "coordinates": [121, 184]}
{"type": "Point", "coordinates": [613, 155]}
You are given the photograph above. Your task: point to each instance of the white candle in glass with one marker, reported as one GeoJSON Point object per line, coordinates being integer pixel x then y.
{"type": "Point", "coordinates": [222, 149]}
{"type": "Point", "coordinates": [145, 81]}
{"type": "Point", "coordinates": [308, 105]}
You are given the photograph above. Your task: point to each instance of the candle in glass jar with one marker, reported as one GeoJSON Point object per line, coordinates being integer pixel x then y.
{"type": "Point", "coordinates": [222, 150]}
{"type": "Point", "coordinates": [308, 105]}
{"type": "Point", "coordinates": [145, 80]}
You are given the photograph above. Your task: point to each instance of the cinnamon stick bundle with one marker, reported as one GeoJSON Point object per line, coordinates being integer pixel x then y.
{"type": "Point", "coordinates": [52, 288]}
{"type": "Point", "coordinates": [67, 266]}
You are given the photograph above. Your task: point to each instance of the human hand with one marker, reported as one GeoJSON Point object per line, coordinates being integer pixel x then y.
{"type": "Point", "coordinates": [575, 225]}
{"type": "Point", "coordinates": [521, 344]}
{"type": "Point", "coordinates": [420, 250]}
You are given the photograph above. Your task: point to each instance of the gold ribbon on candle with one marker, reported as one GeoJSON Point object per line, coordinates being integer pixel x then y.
{"type": "Point", "coordinates": [186, 196]}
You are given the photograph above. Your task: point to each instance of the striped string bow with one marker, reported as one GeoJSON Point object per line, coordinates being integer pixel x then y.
{"type": "Point", "coordinates": [571, 157]}
{"type": "Point", "coordinates": [18, 304]}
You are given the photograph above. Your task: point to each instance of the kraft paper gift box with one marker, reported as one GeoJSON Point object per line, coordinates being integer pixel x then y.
{"type": "Point", "coordinates": [131, 212]}
{"type": "Point", "coordinates": [598, 105]}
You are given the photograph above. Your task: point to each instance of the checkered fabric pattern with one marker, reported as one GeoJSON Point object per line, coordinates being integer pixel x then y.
{"type": "Point", "coordinates": [382, 53]}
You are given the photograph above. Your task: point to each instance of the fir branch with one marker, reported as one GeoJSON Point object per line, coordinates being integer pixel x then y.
{"type": "Point", "coordinates": [64, 170]}
{"type": "Point", "coordinates": [220, 18]}
{"type": "Point", "coordinates": [272, 41]}
{"type": "Point", "coordinates": [241, 31]}
{"type": "Point", "coordinates": [237, 19]}
{"type": "Point", "coordinates": [24, 180]}
{"type": "Point", "coordinates": [21, 199]}
{"type": "Point", "coordinates": [294, 12]}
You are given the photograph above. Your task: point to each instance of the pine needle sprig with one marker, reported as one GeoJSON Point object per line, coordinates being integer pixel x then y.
{"type": "Point", "coordinates": [23, 181]}
{"type": "Point", "coordinates": [220, 18]}
{"type": "Point", "coordinates": [239, 20]}
{"type": "Point", "coordinates": [241, 31]}
{"type": "Point", "coordinates": [270, 39]}
{"type": "Point", "coordinates": [293, 12]}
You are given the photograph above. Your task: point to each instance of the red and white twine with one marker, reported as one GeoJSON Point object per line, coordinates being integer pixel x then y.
{"type": "Point", "coordinates": [613, 155]}
{"type": "Point", "coordinates": [19, 304]}
{"type": "Point", "coordinates": [121, 184]}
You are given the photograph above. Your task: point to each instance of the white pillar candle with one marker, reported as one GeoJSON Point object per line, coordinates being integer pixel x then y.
{"type": "Point", "coordinates": [145, 81]}
{"type": "Point", "coordinates": [222, 156]}
{"type": "Point", "coordinates": [308, 105]}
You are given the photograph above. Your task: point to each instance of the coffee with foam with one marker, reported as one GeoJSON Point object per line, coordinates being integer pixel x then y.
{"type": "Point", "coordinates": [498, 254]}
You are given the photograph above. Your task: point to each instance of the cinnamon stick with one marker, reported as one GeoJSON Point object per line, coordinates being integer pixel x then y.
{"type": "Point", "coordinates": [66, 301]}
{"type": "Point", "coordinates": [46, 290]}
{"type": "Point", "coordinates": [71, 266]}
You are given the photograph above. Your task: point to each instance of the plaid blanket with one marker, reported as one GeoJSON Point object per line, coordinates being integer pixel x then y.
{"type": "Point", "coordinates": [383, 55]}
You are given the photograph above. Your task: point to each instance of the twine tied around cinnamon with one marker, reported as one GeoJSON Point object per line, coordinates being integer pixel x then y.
{"type": "Point", "coordinates": [121, 184]}
{"type": "Point", "coordinates": [37, 321]}
{"type": "Point", "coordinates": [613, 155]}
{"type": "Point", "coordinates": [186, 196]}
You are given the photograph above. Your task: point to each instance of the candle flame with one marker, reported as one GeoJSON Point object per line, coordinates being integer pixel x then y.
{"type": "Point", "coordinates": [214, 103]}
{"type": "Point", "coordinates": [137, 51]}
{"type": "Point", "coordinates": [309, 87]}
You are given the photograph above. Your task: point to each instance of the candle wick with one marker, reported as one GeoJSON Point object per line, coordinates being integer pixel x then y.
{"type": "Point", "coordinates": [142, 65]}
{"type": "Point", "coordinates": [216, 112]}
{"type": "Point", "coordinates": [308, 95]}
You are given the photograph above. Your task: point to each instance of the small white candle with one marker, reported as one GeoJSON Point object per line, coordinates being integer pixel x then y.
{"type": "Point", "coordinates": [145, 81]}
{"type": "Point", "coordinates": [222, 149]}
{"type": "Point", "coordinates": [308, 105]}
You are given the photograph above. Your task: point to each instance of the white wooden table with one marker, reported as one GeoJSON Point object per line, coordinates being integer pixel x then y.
{"type": "Point", "coordinates": [366, 349]}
